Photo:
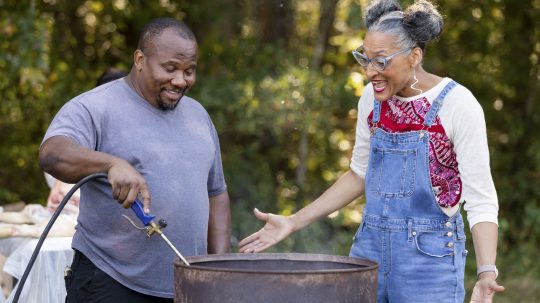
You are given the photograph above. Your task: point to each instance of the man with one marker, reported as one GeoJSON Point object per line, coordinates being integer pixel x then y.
{"type": "Point", "coordinates": [153, 142]}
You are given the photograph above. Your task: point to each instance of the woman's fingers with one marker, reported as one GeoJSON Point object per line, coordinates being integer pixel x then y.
{"type": "Point", "coordinates": [249, 239]}
{"type": "Point", "coordinates": [255, 247]}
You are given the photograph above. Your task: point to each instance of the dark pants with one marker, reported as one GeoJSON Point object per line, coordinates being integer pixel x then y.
{"type": "Point", "coordinates": [88, 284]}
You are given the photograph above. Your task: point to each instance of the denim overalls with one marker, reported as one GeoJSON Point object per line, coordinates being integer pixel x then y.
{"type": "Point", "coordinates": [420, 250]}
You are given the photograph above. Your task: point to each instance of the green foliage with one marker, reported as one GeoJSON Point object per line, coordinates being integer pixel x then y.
{"type": "Point", "coordinates": [265, 94]}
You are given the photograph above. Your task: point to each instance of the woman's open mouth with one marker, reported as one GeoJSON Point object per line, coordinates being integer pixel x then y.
{"type": "Point", "coordinates": [379, 86]}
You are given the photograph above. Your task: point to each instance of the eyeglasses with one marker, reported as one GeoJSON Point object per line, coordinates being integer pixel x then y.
{"type": "Point", "coordinates": [379, 63]}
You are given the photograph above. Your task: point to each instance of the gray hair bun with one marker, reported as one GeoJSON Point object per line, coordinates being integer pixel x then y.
{"type": "Point", "coordinates": [420, 23]}
{"type": "Point", "coordinates": [377, 9]}
{"type": "Point", "coordinates": [423, 22]}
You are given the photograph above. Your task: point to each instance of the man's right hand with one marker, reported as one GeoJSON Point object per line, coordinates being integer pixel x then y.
{"type": "Point", "coordinates": [276, 229]}
{"type": "Point", "coordinates": [69, 162]}
{"type": "Point", "coordinates": [127, 183]}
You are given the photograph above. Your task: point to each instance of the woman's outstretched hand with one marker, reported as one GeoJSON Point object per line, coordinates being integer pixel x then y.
{"type": "Point", "coordinates": [276, 229]}
{"type": "Point", "coordinates": [485, 289]}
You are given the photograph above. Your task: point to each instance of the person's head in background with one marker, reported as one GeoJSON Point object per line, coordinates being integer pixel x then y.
{"type": "Point", "coordinates": [109, 75]}
{"type": "Point", "coordinates": [164, 63]}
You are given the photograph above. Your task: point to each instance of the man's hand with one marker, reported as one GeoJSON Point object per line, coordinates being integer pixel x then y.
{"type": "Point", "coordinates": [485, 288]}
{"type": "Point", "coordinates": [127, 183]}
{"type": "Point", "coordinates": [276, 229]}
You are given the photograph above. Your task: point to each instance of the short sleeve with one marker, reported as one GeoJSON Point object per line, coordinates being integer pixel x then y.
{"type": "Point", "coordinates": [74, 121]}
{"type": "Point", "coordinates": [216, 179]}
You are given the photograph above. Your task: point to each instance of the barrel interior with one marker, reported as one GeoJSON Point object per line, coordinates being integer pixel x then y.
{"type": "Point", "coordinates": [283, 262]}
{"type": "Point", "coordinates": [280, 265]}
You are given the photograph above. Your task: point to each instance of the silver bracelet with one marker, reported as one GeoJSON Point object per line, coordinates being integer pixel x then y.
{"type": "Point", "coordinates": [485, 268]}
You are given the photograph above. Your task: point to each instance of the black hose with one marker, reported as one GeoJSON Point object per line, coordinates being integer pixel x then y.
{"type": "Point", "coordinates": [48, 228]}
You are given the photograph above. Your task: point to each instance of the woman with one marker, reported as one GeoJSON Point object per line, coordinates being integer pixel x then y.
{"type": "Point", "coordinates": [420, 153]}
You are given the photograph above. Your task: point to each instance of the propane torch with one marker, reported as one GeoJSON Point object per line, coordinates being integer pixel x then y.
{"type": "Point", "coordinates": [152, 227]}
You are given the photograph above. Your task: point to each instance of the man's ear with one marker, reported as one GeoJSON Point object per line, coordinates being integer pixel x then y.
{"type": "Point", "coordinates": [138, 59]}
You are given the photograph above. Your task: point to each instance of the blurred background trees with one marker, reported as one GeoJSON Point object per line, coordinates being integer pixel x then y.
{"type": "Point", "coordinates": [282, 88]}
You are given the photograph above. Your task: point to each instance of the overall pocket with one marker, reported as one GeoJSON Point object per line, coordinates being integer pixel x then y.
{"type": "Point", "coordinates": [393, 172]}
{"type": "Point", "coordinates": [433, 243]}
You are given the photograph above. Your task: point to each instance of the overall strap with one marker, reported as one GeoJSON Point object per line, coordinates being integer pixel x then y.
{"type": "Point", "coordinates": [434, 109]}
{"type": "Point", "coordinates": [376, 111]}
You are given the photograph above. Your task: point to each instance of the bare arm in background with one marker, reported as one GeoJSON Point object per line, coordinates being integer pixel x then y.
{"type": "Point", "coordinates": [69, 162]}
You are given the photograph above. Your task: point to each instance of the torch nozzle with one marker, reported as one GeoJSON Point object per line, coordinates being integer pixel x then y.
{"type": "Point", "coordinates": [153, 227]}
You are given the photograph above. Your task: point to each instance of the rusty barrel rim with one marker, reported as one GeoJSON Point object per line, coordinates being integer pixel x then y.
{"type": "Point", "coordinates": [363, 264]}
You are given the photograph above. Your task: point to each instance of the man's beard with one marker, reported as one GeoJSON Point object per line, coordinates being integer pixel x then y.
{"type": "Point", "coordinates": [168, 106]}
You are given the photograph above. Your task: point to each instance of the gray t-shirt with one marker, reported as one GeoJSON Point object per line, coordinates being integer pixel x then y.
{"type": "Point", "coordinates": [178, 154]}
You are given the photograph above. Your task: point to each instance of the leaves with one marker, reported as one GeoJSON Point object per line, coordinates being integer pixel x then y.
{"type": "Point", "coordinates": [264, 93]}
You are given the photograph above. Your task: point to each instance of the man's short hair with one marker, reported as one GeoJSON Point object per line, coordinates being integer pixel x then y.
{"type": "Point", "coordinates": [155, 27]}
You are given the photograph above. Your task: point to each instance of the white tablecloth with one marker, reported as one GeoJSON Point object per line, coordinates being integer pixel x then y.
{"type": "Point", "coordinates": [45, 283]}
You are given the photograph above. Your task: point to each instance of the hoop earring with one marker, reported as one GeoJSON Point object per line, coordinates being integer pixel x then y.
{"type": "Point", "coordinates": [415, 82]}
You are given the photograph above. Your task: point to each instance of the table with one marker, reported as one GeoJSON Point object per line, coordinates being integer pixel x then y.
{"type": "Point", "coordinates": [45, 283]}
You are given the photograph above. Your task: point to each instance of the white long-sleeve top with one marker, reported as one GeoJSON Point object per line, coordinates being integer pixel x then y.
{"type": "Point", "coordinates": [463, 120]}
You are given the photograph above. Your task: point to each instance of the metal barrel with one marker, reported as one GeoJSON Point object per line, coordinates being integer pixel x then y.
{"type": "Point", "coordinates": [275, 278]}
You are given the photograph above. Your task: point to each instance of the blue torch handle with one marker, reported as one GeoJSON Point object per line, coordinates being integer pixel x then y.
{"type": "Point", "coordinates": [137, 207]}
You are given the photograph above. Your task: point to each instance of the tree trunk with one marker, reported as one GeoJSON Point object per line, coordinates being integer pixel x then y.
{"type": "Point", "coordinates": [327, 17]}
{"type": "Point", "coordinates": [275, 21]}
